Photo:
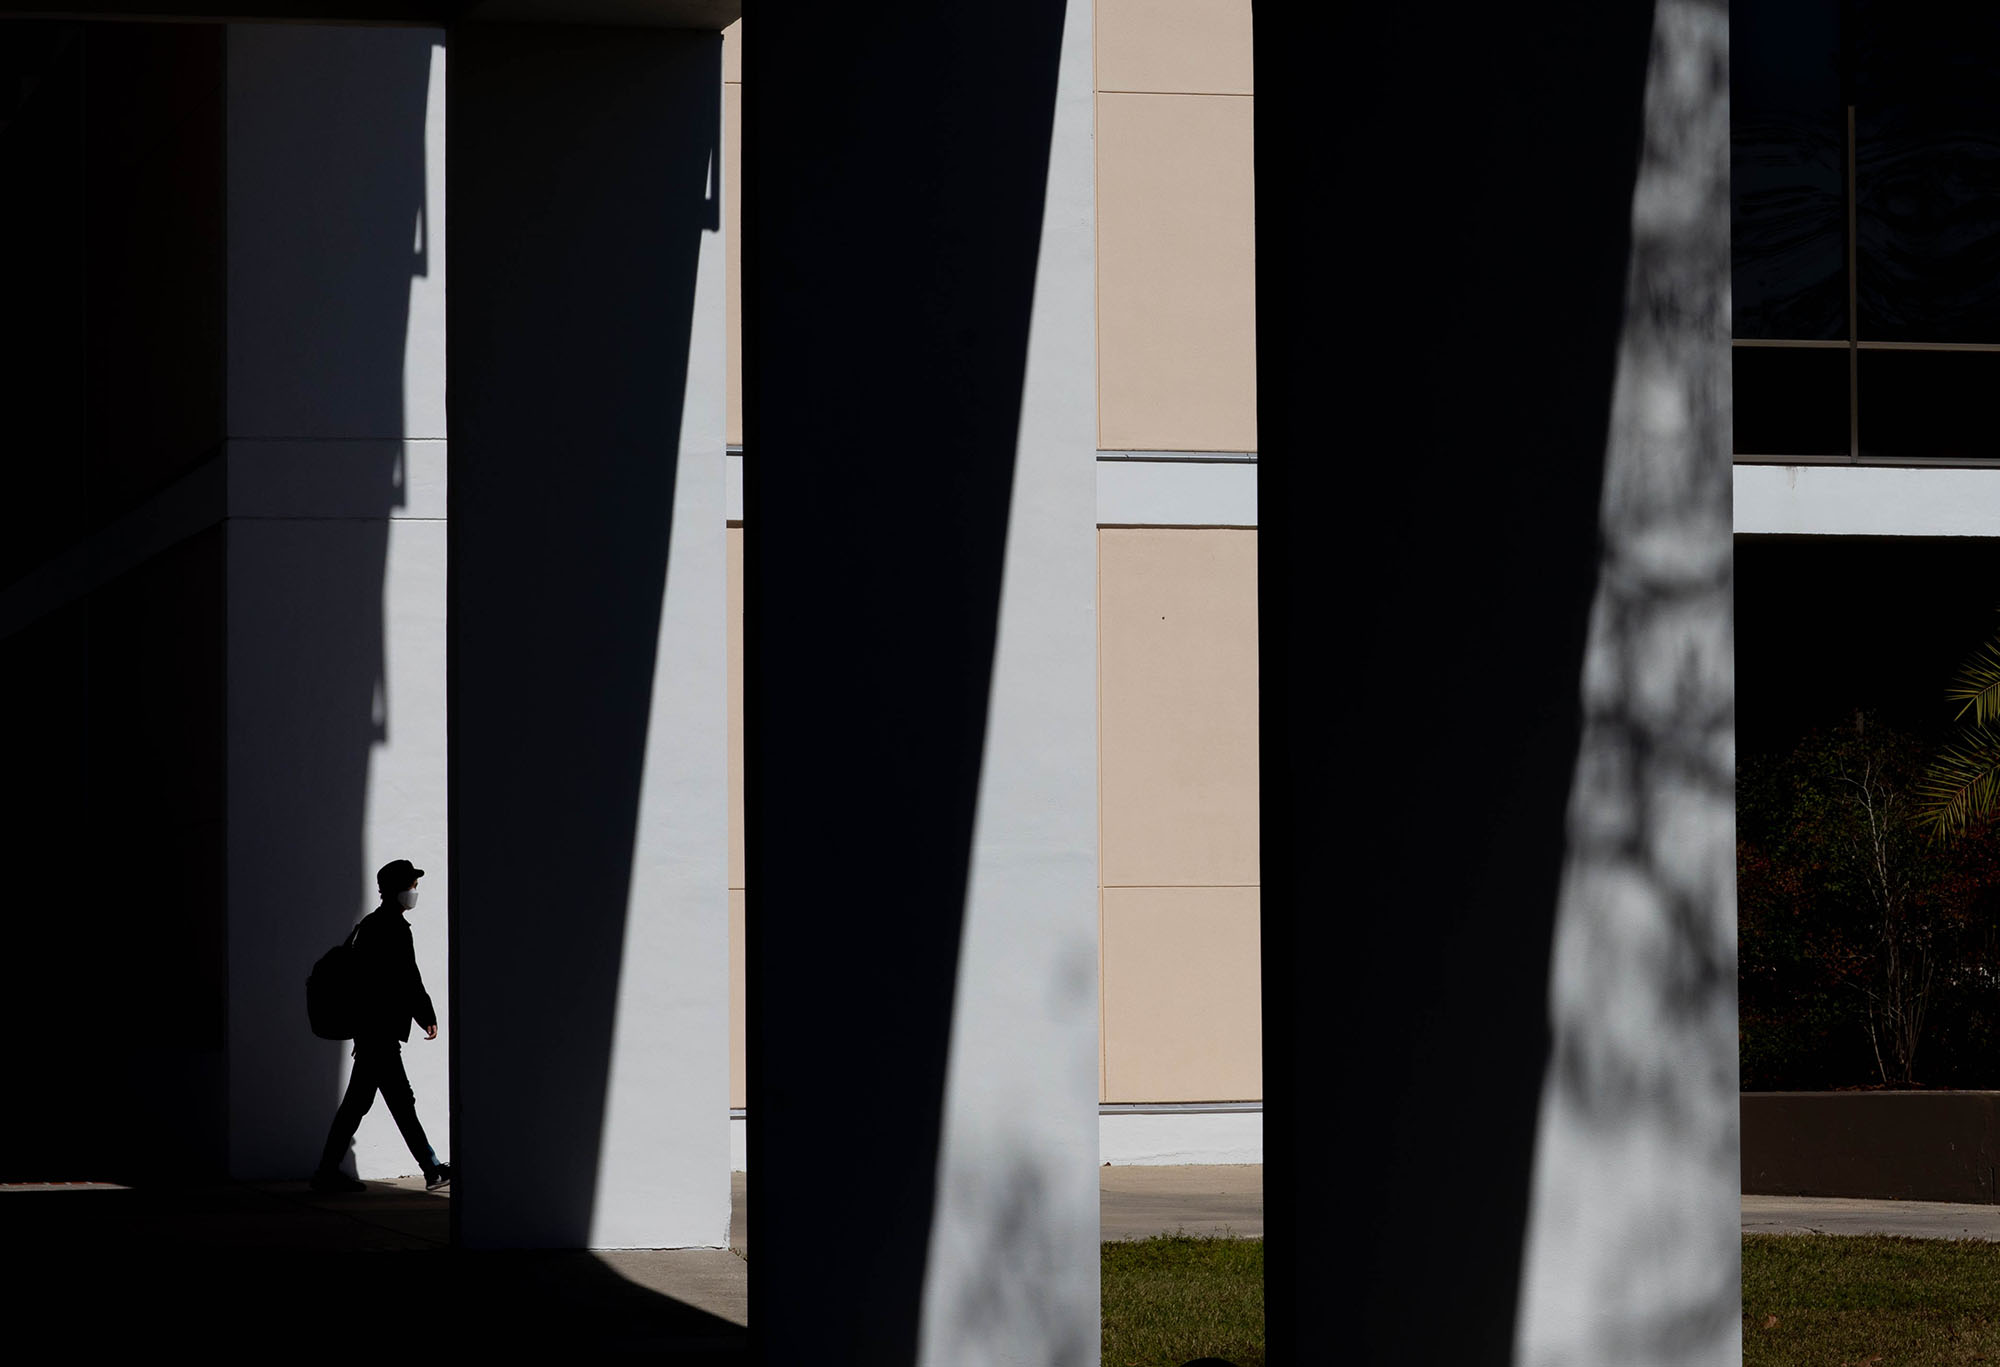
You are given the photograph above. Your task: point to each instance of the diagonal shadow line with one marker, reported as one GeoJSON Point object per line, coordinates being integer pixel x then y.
{"type": "Point", "coordinates": [871, 605]}
{"type": "Point", "coordinates": [326, 165]}
{"type": "Point", "coordinates": [580, 173]}
{"type": "Point", "coordinates": [1485, 171]}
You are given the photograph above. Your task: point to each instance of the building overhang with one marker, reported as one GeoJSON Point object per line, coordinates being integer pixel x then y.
{"type": "Point", "coordinates": [708, 15]}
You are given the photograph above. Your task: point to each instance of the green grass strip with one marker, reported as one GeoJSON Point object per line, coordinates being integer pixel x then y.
{"type": "Point", "coordinates": [1869, 1301]}
{"type": "Point", "coordinates": [1176, 1298]}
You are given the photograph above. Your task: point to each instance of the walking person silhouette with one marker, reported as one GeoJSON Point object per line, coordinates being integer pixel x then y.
{"type": "Point", "coordinates": [395, 996]}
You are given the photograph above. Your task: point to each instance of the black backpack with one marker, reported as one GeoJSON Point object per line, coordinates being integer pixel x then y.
{"type": "Point", "coordinates": [336, 991]}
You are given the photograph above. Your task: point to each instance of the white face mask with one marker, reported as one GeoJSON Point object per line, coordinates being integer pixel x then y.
{"type": "Point", "coordinates": [408, 897]}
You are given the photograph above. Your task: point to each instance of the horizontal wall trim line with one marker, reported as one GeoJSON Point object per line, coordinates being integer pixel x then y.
{"type": "Point", "coordinates": [1169, 887]}
{"type": "Point", "coordinates": [1196, 457]}
{"type": "Point", "coordinates": [1221, 94]}
{"type": "Point", "coordinates": [1906, 463]}
{"type": "Point", "coordinates": [1212, 489]}
{"type": "Point", "coordinates": [1805, 344]}
{"type": "Point", "coordinates": [1802, 343]}
{"type": "Point", "coordinates": [1138, 1108]}
{"type": "Point", "coordinates": [1860, 500]}
{"type": "Point", "coordinates": [1927, 346]}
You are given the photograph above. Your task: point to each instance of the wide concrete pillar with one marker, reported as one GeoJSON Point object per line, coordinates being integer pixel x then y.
{"type": "Point", "coordinates": [1498, 919]}
{"type": "Point", "coordinates": [334, 488]}
{"type": "Point", "coordinates": [920, 552]}
{"type": "Point", "coordinates": [589, 841]}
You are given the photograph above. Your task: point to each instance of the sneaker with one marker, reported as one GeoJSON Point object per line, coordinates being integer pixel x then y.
{"type": "Point", "coordinates": [438, 1178]}
{"type": "Point", "coordinates": [336, 1181]}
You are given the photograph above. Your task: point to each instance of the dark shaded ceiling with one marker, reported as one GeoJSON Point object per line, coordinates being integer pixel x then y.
{"type": "Point", "coordinates": [712, 15]}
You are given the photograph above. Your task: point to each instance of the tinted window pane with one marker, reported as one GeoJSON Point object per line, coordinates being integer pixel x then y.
{"type": "Point", "coordinates": [1932, 405]}
{"type": "Point", "coordinates": [1914, 51]}
{"type": "Point", "coordinates": [1927, 171]}
{"type": "Point", "coordinates": [1927, 192]}
{"type": "Point", "coordinates": [1790, 402]}
{"type": "Point", "coordinates": [1788, 166]}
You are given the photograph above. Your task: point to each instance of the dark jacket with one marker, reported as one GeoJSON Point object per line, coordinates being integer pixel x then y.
{"type": "Point", "coordinates": [396, 987]}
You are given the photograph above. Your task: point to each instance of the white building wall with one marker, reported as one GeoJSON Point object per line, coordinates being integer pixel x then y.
{"type": "Point", "coordinates": [591, 954]}
{"type": "Point", "coordinates": [336, 556]}
{"type": "Point", "coordinates": [1020, 1105]}
{"type": "Point", "coordinates": [662, 1171]}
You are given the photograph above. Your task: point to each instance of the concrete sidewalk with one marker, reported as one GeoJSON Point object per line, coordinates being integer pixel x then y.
{"type": "Point", "coordinates": [277, 1269]}
{"type": "Point", "coordinates": [1136, 1203]}
{"type": "Point", "coordinates": [1222, 1200]}
{"type": "Point", "coordinates": [1845, 1215]}
{"type": "Point", "coordinates": [275, 1265]}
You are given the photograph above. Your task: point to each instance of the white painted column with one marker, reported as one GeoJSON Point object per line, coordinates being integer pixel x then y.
{"type": "Point", "coordinates": [1633, 1236]}
{"type": "Point", "coordinates": [663, 1165]}
{"type": "Point", "coordinates": [589, 714]}
{"type": "Point", "coordinates": [336, 557]}
{"type": "Point", "coordinates": [1012, 1275]}
{"type": "Point", "coordinates": [920, 688]}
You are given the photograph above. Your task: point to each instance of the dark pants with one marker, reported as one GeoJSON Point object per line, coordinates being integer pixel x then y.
{"type": "Point", "coordinates": [378, 1066]}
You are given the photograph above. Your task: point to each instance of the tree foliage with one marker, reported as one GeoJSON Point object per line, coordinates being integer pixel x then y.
{"type": "Point", "coordinates": [1961, 786]}
{"type": "Point", "coordinates": [1867, 947]}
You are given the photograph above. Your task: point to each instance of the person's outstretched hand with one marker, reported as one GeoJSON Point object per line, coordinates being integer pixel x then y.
{"type": "Point", "coordinates": [430, 1032]}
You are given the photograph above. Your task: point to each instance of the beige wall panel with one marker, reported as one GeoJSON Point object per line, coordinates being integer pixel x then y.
{"type": "Point", "coordinates": [738, 1089]}
{"type": "Point", "coordinates": [1182, 1015]}
{"type": "Point", "coordinates": [733, 538]}
{"type": "Point", "coordinates": [1193, 47]}
{"type": "Point", "coordinates": [732, 242]}
{"type": "Point", "coordinates": [1176, 274]}
{"type": "Point", "coordinates": [732, 51]}
{"type": "Point", "coordinates": [1177, 680]}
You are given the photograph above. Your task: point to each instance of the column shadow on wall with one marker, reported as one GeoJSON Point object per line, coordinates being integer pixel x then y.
{"type": "Point", "coordinates": [204, 845]}
{"type": "Point", "coordinates": [584, 173]}
{"type": "Point", "coordinates": [328, 225]}
{"type": "Point", "coordinates": [885, 346]}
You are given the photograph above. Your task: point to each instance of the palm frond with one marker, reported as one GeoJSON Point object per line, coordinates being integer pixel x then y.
{"type": "Point", "coordinates": [1977, 685]}
{"type": "Point", "coordinates": [1961, 785]}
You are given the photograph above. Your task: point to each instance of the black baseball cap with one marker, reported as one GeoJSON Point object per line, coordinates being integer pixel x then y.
{"type": "Point", "coordinates": [396, 875]}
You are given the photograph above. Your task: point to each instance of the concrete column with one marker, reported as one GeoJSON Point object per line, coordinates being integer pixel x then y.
{"type": "Point", "coordinates": [1634, 1221]}
{"type": "Point", "coordinates": [920, 689]}
{"type": "Point", "coordinates": [335, 553]}
{"type": "Point", "coordinates": [1498, 925]}
{"type": "Point", "coordinates": [588, 712]}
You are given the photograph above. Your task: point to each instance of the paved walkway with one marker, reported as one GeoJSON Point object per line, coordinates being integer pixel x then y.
{"type": "Point", "coordinates": [277, 1266]}
{"type": "Point", "coordinates": [1223, 1199]}
{"type": "Point", "coordinates": [1841, 1215]}
{"type": "Point", "coordinates": [276, 1269]}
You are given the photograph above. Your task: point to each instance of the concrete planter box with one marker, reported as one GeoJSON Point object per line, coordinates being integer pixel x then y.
{"type": "Point", "coordinates": [1907, 1146]}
